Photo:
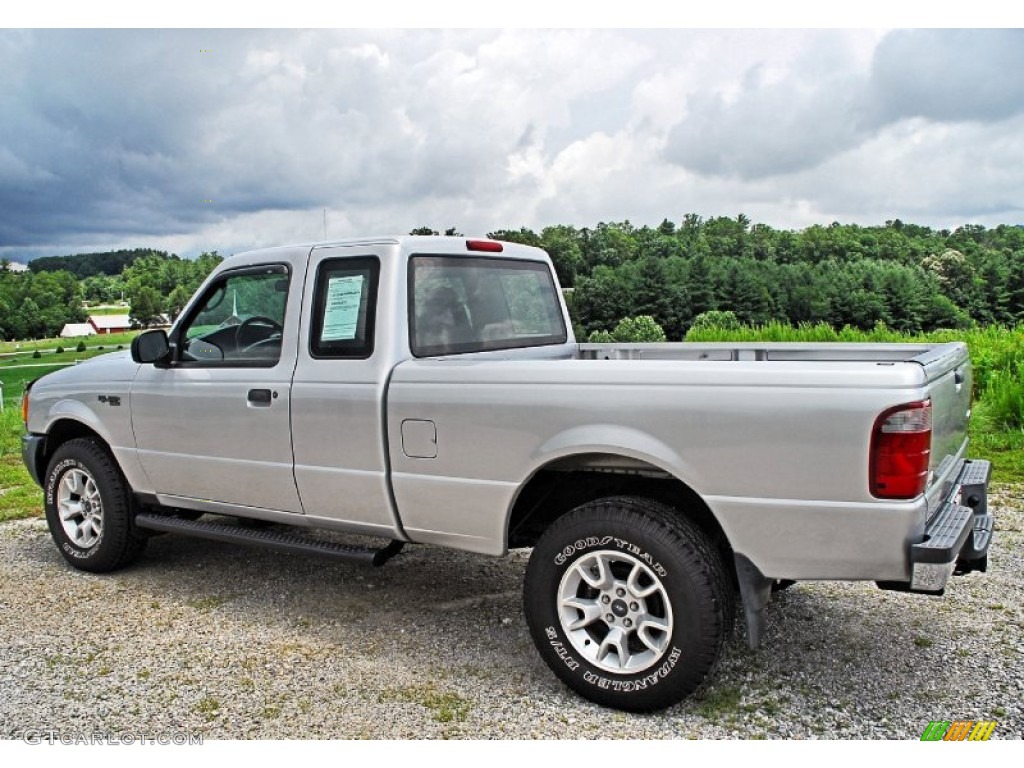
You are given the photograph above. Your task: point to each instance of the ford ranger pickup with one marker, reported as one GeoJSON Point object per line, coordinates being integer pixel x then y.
{"type": "Point", "coordinates": [429, 390]}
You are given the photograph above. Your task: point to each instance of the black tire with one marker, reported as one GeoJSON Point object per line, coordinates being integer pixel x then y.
{"type": "Point", "coordinates": [89, 509]}
{"type": "Point", "coordinates": [658, 578]}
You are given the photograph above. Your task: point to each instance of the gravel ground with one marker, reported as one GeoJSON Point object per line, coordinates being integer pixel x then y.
{"type": "Point", "coordinates": [241, 643]}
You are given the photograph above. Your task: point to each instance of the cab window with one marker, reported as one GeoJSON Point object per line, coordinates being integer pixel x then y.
{"type": "Point", "coordinates": [239, 320]}
{"type": "Point", "coordinates": [344, 308]}
{"type": "Point", "coordinates": [460, 304]}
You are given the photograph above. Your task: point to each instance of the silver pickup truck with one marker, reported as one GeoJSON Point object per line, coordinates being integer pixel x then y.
{"type": "Point", "coordinates": [430, 391]}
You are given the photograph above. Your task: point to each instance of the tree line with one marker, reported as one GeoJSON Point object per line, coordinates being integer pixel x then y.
{"type": "Point", "coordinates": [906, 277]}
{"type": "Point", "coordinates": [155, 284]}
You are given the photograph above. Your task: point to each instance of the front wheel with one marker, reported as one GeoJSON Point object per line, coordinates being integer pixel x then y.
{"type": "Point", "coordinates": [628, 603]}
{"type": "Point", "coordinates": [89, 508]}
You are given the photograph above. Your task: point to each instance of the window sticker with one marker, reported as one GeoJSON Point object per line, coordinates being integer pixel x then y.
{"type": "Point", "coordinates": [341, 313]}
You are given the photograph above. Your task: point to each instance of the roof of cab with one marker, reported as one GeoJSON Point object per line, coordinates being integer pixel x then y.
{"type": "Point", "coordinates": [409, 243]}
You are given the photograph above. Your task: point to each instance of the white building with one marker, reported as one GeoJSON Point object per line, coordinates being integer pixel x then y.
{"type": "Point", "coordinates": [72, 330]}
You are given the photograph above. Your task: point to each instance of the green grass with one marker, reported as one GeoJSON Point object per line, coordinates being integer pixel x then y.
{"type": "Point", "coordinates": [717, 702]}
{"type": "Point", "coordinates": [13, 381]}
{"type": "Point", "coordinates": [108, 309]}
{"type": "Point", "coordinates": [107, 340]}
{"type": "Point", "coordinates": [19, 496]}
{"type": "Point", "coordinates": [18, 370]}
{"type": "Point", "coordinates": [444, 706]}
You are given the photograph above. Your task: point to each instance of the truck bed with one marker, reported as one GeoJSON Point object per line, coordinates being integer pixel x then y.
{"type": "Point", "coordinates": [925, 354]}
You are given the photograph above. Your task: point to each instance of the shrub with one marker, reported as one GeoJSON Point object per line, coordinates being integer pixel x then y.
{"type": "Point", "coordinates": [630, 330]}
{"type": "Point", "coordinates": [37, 354]}
{"type": "Point", "coordinates": [59, 351]}
{"type": "Point", "coordinates": [80, 347]}
{"type": "Point", "coordinates": [714, 319]}
{"type": "Point", "coordinates": [642, 329]}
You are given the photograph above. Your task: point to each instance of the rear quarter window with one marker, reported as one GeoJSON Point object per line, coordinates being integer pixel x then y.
{"type": "Point", "coordinates": [472, 304]}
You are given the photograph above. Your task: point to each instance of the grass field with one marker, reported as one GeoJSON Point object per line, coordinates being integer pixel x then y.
{"type": "Point", "coordinates": [108, 341]}
{"type": "Point", "coordinates": [109, 309]}
{"type": "Point", "coordinates": [19, 496]}
{"type": "Point", "coordinates": [18, 370]}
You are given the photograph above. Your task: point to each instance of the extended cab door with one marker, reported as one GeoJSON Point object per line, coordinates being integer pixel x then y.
{"type": "Point", "coordinates": [338, 394]}
{"type": "Point", "coordinates": [213, 425]}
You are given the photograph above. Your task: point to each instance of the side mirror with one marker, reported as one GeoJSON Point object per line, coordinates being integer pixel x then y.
{"type": "Point", "coordinates": [151, 347]}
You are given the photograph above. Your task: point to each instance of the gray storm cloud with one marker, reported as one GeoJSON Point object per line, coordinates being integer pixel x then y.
{"type": "Point", "coordinates": [827, 105]}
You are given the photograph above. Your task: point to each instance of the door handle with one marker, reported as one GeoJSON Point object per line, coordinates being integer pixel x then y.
{"type": "Point", "coordinates": [260, 397]}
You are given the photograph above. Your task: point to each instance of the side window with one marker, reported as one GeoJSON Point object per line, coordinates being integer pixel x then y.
{"type": "Point", "coordinates": [239, 320]}
{"type": "Point", "coordinates": [466, 304]}
{"type": "Point", "coordinates": [344, 308]}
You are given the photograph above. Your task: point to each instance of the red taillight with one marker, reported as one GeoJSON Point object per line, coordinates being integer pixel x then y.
{"type": "Point", "coordinates": [24, 408]}
{"type": "Point", "coordinates": [901, 445]}
{"type": "Point", "coordinates": [488, 246]}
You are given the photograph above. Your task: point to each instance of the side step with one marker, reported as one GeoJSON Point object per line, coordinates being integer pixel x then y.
{"type": "Point", "coordinates": [287, 542]}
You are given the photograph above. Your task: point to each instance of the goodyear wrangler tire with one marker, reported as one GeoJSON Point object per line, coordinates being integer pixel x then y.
{"type": "Point", "coordinates": [628, 603]}
{"type": "Point", "coordinates": [89, 508]}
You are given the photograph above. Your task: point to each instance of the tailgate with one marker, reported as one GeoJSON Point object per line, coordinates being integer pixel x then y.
{"type": "Point", "coordinates": [948, 371]}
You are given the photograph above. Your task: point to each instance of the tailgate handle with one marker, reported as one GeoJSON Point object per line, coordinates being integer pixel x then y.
{"type": "Point", "coordinates": [259, 397]}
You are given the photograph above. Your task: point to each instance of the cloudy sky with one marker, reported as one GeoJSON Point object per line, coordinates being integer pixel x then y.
{"type": "Point", "coordinates": [192, 140]}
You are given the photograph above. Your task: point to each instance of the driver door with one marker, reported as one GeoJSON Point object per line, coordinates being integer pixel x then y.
{"type": "Point", "coordinates": [212, 428]}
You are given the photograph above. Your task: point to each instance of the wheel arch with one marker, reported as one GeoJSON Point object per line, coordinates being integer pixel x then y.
{"type": "Point", "coordinates": [62, 430]}
{"type": "Point", "coordinates": [564, 483]}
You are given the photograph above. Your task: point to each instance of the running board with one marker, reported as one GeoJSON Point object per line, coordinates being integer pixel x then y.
{"type": "Point", "coordinates": [287, 542]}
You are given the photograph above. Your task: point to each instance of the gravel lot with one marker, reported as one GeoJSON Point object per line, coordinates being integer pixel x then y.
{"type": "Point", "coordinates": [245, 643]}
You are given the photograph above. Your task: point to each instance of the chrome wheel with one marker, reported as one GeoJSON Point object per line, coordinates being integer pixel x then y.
{"type": "Point", "coordinates": [614, 610]}
{"type": "Point", "coordinates": [80, 508]}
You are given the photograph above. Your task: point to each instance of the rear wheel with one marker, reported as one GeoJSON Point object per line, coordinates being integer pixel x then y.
{"type": "Point", "coordinates": [628, 603]}
{"type": "Point", "coordinates": [89, 509]}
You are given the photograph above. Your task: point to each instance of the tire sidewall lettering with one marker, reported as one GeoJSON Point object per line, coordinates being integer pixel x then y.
{"type": "Point", "coordinates": [56, 474]}
{"type": "Point", "coordinates": [50, 499]}
{"type": "Point", "coordinates": [627, 684]}
{"type": "Point", "coordinates": [583, 545]}
{"type": "Point", "coordinates": [561, 649]}
{"type": "Point", "coordinates": [560, 645]}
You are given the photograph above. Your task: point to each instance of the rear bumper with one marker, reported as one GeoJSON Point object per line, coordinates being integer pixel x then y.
{"type": "Point", "coordinates": [957, 536]}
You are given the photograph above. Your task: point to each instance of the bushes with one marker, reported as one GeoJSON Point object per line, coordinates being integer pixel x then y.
{"type": "Point", "coordinates": [642, 329]}
{"type": "Point", "coordinates": [1001, 404]}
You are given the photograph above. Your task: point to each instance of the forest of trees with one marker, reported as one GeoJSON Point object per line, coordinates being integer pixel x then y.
{"type": "Point", "coordinates": [907, 277]}
{"type": "Point", "coordinates": [38, 303]}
